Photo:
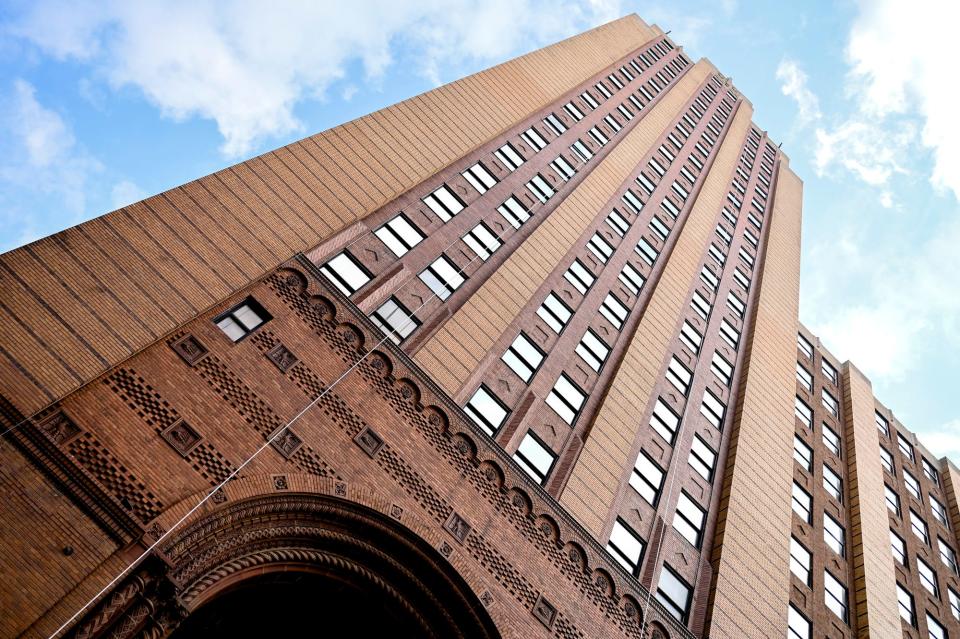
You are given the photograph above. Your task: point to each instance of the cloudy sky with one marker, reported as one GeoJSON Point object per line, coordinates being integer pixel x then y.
{"type": "Point", "coordinates": [103, 103]}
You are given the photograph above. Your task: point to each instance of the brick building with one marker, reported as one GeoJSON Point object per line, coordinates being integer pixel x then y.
{"type": "Point", "coordinates": [516, 357]}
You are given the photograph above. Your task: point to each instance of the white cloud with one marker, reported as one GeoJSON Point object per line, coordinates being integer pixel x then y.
{"type": "Point", "coordinates": [870, 151]}
{"type": "Point", "coordinates": [125, 192]}
{"type": "Point", "coordinates": [794, 85]}
{"type": "Point", "coordinates": [901, 82]}
{"type": "Point", "coordinates": [245, 65]}
{"type": "Point", "coordinates": [944, 440]}
{"type": "Point", "coordinates": [40, 156]}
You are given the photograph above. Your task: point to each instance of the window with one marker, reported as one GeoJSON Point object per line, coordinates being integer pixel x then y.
{"type": "Point", "coordinates": [540, 188]}
{"type": "Point", "coordinates": [913, 486]}
{"type": "Point", "coordinates": [804, 377]}
{"type": "Point", "coordinates": [614, 310]}
{"type": "Point", "coordinates": [919, 527]}
{"type": "Point", "coordinates": [709, 278]}
{"type": "Point", "coordinates": [835, 595]}
{"type": "Point", "coordinates": [532, 137]}
{"type": "Point", "coordinates": [832, 483]}
{"type": "Point", "coordinates": [442, 277]}
{"type": "Point", "coordinates": [939, 511]}
{"type": "Point", "coordinates": [801, 503]}
{"type": "Point", "coordinates": [486, 410]}
{"type": "Point", "coordinates": [508, 155]}
{"type": "Point", "coordinates": [479, 178]}
{"type": "Point", "coordinates": [513, 212]}
{"type": "Point", "coordinates": [679, 376]}
{"type": "Point", "coordinates": [721, 368]}
{"type": "Point", "coordinates": [702, 458]}
{"type": "Point", "coordinates": [563, 168]}
{"type": "Point", "coordinates": [573, 111]}
{"type": "Point", "coordinates": [674, 593]}
{"type": "Point", "coordinates": [798, 626]}
{"type": "Point", "coordinates": [658, 227]}
{"type": "Point", "coordinates": [589, 99]}
{"type": "Point", "coordinates": [399, 234]}
{"type": "Point", "coordinates": [882, 424]}
{"type": "Point", "coordinates": [930, 471]}
{"type": "Point", "coordinates": [346, 273]}
{"type": "Point", "coordinates": [736, 305]}
{"type": "Point", "coordinates": [741, 279]}
{"type": "Point", "coordinates": [555, 313]}
{"type": "Point", "coordinates": [566, 399]}
{"type": "Point", "coordinates": [395, 320]}
{"type": "Point", "coordinates": [688, 520]}
{"type": "Point", "coordinates": [598, 136]}
{"type": "Point", "coordinates": [581, 151]}
{"type": "Point", "coordinates": [713, 409]}
{"type": "Point", "coordinates": [534, 458]}
{"type": "Point", "coordinates": [887, 460]}
{"type": "Point", "coordinates": [242, 319]}
{"type": "Point", "coordinates": [829, 402]}
{"type": "Point", "coordinates": [803, 412]}
{"type": "Point", "coordinates": [833, 534]}
{"type": "Point", "coordinates": [729, 334]}
{"type": "Point", "coordinates": [905, 601]}
{"type": "Point", "coordinates": [898, 547]}
{"type": "Point", "coordinates": [444, 203]}
{"type": "Point", "coordinates": [482, 240]}
{"type": "Point", "coordinates": [893, 499]}
{"type": "Point", "coordinates": [701, 305]}
{"type": "Point", "coordinates": [954, 603]}
{"type": "Point", "coordinates": [632, 201]}
{"type": "Point", "coordinates": [802, 453]}
{"type": "Point", "coordinates": [578, 275]}
{"type": "Point", "coordinates": [828, 370]}
{"type": "Point", "coordinates": [600, 248]}
{"type": "Point", "coordinates": [554, 123]}
{"type": "Point", "coordinates": [934, 628]}
{"type": "Point", "coordinates": [617, 222]}
{"type": "Point", "coordinates": [691, 337]}
{"type": "Point", "coordinates": [646, 251]}
{"type": "Point", "coordinates": [800, 561]}
{"type": "Point", "coordinates": [905, 447]}
{"type": "Point", "coordinates": [523, 357]}
{"type": "Point", "coordinates": [664, 421]}
{"type": "Point", "coordinates": [805, 346]}
{"type": "Point", "coordinates": [647, 478]}
{"type": "Point", "coordinates": [928, 578]}
{"type": "Point", "coordinates": [626, 547]}
{"type": "Point", "coordinates": [947, 556]}
{"type": "Point", "coordinates": [831, 439]}
{"type": "Point", "coordinates": [593, 350]}
{"type": "Point", "coordinates": [631, 278]}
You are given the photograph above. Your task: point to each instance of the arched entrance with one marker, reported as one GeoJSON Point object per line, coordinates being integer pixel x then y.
{"type": "Point", "coordinates": [308, 565]}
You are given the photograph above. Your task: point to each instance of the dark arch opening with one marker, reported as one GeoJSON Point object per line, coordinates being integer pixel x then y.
{"type": "Point", "coordinates": [298, 604]}
{"type": "Point", "coordinates": [307, 565]}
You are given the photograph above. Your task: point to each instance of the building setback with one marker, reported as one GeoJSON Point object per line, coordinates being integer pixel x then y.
{"type": "Point", "coordinates": [515, 357]}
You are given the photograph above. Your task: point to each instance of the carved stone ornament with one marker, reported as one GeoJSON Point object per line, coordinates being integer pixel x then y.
{"type": "Point", "coordinates": [486, 598]}
{"type": "Point", "coordinates": [457, 526]}
{"type": "Point", "coordinates": [182, 437]}
{"type": "Point", "coordinates": [369, 441]}
{"type": "Point", "coordinates": [396, 511]}
{"type": "Point", "coordinates": [287, 443]}
{"type": "Point", "coordinates": [219, 497]}
{"type": "Point", "coordinates": [190, 349]}
{"type": "Point", "coordinates": [340, 489]}
{"type": "Point", "coordinates": [282, 358]}
{"type": "Point", "coordinates": [545, 612]}
{"type": "Point", "coordinates": [280, 482]}
{"type": "Point", "coordinates": [59, 428]}
{"type": "Point", "coordinates": [446, 549]}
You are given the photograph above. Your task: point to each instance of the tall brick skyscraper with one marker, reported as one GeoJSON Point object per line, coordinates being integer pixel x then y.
{"type": "Point", "coordinates": [516, 357]}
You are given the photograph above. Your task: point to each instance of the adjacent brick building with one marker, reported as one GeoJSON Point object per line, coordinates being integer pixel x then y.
{"type": "Point", "coordinates": [516, 357]}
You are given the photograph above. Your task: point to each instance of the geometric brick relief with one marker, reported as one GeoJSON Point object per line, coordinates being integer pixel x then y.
{"type": "Point", "coordinates": [287, 443]}
{"type": "Point", "coordinates": [112, 475]}
{"type": "Point", "coordinates": [190, 349]}
{"type": "Point", "coordinates": [182, 436]}
{"type": "Point", "coordinates": [235, 392]}
{"type": "Point", "coordinates": [211, 464]}
{"type": "Point", "coordinates": [142, 399]}
{"type": "Point", "coordinates": [308, 461]}
{"type": "Point", "coordinates": [59, 428]}
{"type": "Point", "coordinates": [281, 356]}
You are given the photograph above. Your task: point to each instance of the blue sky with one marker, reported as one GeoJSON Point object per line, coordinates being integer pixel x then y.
{"type": "Point", "coordinates": [103, 103]}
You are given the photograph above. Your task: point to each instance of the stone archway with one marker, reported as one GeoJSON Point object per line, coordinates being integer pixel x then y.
{"type": "Point", "coordinates": [283, 563]}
